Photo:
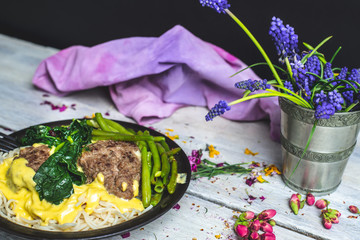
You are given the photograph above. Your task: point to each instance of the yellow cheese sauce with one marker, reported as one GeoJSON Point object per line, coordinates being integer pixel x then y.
{"type": "Point", "coordinates": [16, 182]}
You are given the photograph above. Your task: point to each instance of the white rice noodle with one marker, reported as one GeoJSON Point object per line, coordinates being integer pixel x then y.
{"type": "Point", "coordinates": [105, 215]}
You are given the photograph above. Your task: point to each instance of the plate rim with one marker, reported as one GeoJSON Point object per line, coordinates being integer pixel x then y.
{"type": "Point", "coordinates": [163, 207]}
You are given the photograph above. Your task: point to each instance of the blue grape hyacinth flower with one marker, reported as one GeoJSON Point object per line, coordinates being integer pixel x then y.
{"type": "Point", "coordinates": [219, 109]}
{"type": "Point", "coordinates": [324, 111]}
{"type": "Point", "coordinates": [218, 5]}
{"type": "Point", "coordinates": [284, 37]}
{"type": "Point", "coordinates": [253, 85]}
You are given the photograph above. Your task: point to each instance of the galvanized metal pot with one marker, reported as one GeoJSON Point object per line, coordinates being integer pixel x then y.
{"type": "Point", "coordinates": [321, 168]}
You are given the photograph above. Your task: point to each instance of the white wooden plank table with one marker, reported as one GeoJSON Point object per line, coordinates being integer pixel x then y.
{"type": "Point", "coordinates": [207, 208]}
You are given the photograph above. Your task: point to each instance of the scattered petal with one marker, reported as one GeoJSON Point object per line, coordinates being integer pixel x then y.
{"type": "Point", "coordinates": [260, 179]}
{"type": "Point", "coordinates": [250, 181]}
{"type": "Point", "coordinates": [271, 170]}
{"type": "Point", "coordinates": [213, 151]}
{"type": "Point", "coordinates": [249, 152]}
{"type": "Point", "coordinates": [125, 235]}
{"type": "Point", "coordinates": [254, 164]}
{"type": "Point", "coordinates": [176, 206]}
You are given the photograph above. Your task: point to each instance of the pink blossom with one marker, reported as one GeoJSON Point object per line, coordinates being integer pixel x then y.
{"type": "Point", "coordinates": [310, 199]}
{"type": "Point", "coordinates": [267, 214]}
{"type": "Point", "coordinates": [266, 227]}
{"type": "Point", "coordinates": [354, 209]}
{"type": "Point", "coordinates": [334, 219]}
{"type": "Point", "coordinates": [255, 226]}
{"type": "Point", "coordinates": [321, 203]}
{"type": "Point", "coordinates": [295, 203]}
{"type": "Point", "coordinates": [242, 230]}
{"type": "Point", "coordinates": [248, 215]}
{"type": "Point", "coordinates": [267, 236]}
{"type": "Point", "coordinates": [327, 223]}
{"type": "Point", "coordinates": [254, 236]}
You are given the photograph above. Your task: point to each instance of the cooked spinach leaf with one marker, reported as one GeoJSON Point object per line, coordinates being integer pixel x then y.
{"type": "Point", "coordinates": [56, 176]}
{"type": "Point", "coordinates": [41, 134]}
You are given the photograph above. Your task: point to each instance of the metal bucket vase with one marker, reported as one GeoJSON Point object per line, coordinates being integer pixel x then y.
{"type": "Point", "coordinates": [322, 166]}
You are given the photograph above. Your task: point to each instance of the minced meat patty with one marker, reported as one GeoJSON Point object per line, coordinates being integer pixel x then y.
{"type": "Point", "coordinates": [35, 155]}
{"type": "Point", "coordinates": [119, 162]}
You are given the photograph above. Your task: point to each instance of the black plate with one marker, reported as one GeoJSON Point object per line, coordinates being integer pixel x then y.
{"type": "Point", "coordinates": [166, 203]}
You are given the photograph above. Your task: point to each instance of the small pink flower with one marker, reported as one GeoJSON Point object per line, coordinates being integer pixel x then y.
{"type": "Point", "coordinates": [266, 227]}
{"type": "Point", "coordinates": [254, 236]}
{"type": "Point", "coordinates": [321, 203]}
{"type": "Point", "coordinates": [334, 212]}
{"type": "Point", "coordinates": [295, 203]}
{"type": "Point", "coordinates": [267, 236]}
{"type": "Point", "coordinates": [248, 215]}
{"type": "Point", "coordinates": [327, 223]}
{"type": "Point", "coordinates": [310, 199]}
{"type": "Point", "coordinates": [255, 226]}
{"type": "Point", "coordinates": [354, 209]}
{"type": "Point", "coordinates": [334, 220]}
{"type": "Point", "coordinates": [267, 214]}
{"type": "Point", "coordinates": [242, 230]}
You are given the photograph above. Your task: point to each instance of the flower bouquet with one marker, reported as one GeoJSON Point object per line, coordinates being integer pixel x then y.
{"type": "Point", "coordinates": [311, 91]}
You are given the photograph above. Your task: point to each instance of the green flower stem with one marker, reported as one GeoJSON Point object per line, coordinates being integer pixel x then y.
{"type": "Point", "coordinates": [306, 104]}
{"type": "Point", "coordinates": [351, 107]}
{"type": "Point", "coordinates": [289, 70]}
{"type": "Point", "coordinates": [271, 93]}
{"type": "Point", "coordinates": [333, 57]}
{"type": "Point", "coordinates": [257, 44]}
{"type": "Point", "coordinates": [258, 64]}
{"type": "Point", "coordinates": [306, 147]}
{"type": "Point", "coordinates": [315, 49]}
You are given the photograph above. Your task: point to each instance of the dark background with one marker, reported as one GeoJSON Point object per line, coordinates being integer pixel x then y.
{"type": "Point", "coordinates": [64, 23]}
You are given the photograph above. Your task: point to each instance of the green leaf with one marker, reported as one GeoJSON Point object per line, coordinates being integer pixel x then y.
{"type": "Point", "coordinates": [56, 176]}
{"type": "Point", "coordinates": [303, 61]}
{"type": "Point", "coordinates": [306, 147]}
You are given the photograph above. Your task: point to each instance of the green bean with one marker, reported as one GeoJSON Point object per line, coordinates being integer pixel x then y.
{"type": "Point", "coordinates": [172, 183]}
{"type": "Point", "coordinates": [156, 168]}
{"type": "Point", "coordinates": [165, 145]}
{"type": "Point", "coordinates": [155, 199]}
{"type": "Point", "coordinates": [122, 137]}
{"type": "Point", "coordinates": [160, 148]}
{"type": "Point", "coordinates": [173, 151]}
{"type": "Point", "coordinates": [159, 138]}
{"type": "Point", "coordinates": [159, 186]}
{"type": "Point", "coordinates": [112, 129]}
{"type": "Point", "coordinates": [101, 121]}
{"type": "Point", "coordinates": [145, 178]}
{"type": "Point", "coordinates": [149, 155]}
{"type": "Point", "coordinates": [92, 123]}
{"type": "Point", "coordinates": [165, 165]}
{"type": "Point", "coordinates": [165, 168]}
{"type": "Point", "coordinates": [99, 132]}
{"type": "Point", "coordinates": [131, 131]}
{"type": "Point", "coordinates": [117, 127]}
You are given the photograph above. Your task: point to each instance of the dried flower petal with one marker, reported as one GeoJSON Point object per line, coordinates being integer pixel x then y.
{"type": "Point", "coordinates": [176, 206]}
{"type": "Point", "coordinates": [249, 152]}
{"type": "Point", "coordinates": [213, 151]}
{"type": "Point", "coordinates": [260, 179]}
{"type": "Point", "coordinates": [271, 170]}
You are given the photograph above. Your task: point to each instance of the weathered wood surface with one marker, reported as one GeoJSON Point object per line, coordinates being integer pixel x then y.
{"type": "Point", "coordinates": [206, 210]}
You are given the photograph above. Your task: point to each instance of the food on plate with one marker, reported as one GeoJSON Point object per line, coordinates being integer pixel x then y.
{"type": "Point", "coordinates": [89, 174]}
{"type": "Point", "coordinates": [119, 162]}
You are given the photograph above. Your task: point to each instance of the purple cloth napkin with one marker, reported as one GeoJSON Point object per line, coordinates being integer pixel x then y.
{"type": "Point", "coordinates": [151, 77]}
